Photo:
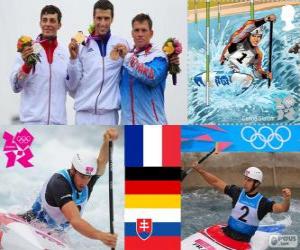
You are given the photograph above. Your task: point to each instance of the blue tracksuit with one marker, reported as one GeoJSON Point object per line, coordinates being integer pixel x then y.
{"type": "Point", "coordinates": [142, 87]}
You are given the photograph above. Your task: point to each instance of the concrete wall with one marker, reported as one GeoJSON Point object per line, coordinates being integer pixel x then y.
{"type": "Point", "coordinates": [280, 169]}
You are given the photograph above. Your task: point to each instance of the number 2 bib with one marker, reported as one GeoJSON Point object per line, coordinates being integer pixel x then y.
{"type": "Point", "coordinates": [244, 218]}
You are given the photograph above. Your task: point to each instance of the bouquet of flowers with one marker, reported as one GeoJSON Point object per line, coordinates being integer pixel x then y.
{"type": "Point", "coordinates": [25, 41]}
{"type": "Point", "coordinates": [91, 29]}
{"type": "Point", "coordinates": [173, 47]}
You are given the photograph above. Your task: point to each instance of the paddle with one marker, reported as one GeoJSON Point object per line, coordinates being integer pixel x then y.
{"type": "Point", "coordinates": [184, 173]}
{"type": "Point", "coordinates": [270, 51]}
{"type": "Point", "coordinates": [111, 198]}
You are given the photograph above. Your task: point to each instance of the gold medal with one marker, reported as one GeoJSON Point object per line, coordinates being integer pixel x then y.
{"type": "Point", "coordinates": [79, 37]}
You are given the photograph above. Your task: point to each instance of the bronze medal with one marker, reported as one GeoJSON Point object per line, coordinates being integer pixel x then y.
{"type": "Point", "coordinates": [114, 54]}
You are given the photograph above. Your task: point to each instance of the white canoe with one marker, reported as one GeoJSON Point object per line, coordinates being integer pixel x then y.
{"type": "Point", "coordinates": [213, 238]}
{"type": "Point", "coordinates": [17, 234]}
{"type": "Point", "coordinates": [216, 79]}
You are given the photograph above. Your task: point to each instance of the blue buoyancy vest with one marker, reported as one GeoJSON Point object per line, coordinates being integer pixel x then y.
{"type": "Point", "coordinates": [244, 218]}
{"type": "Point", "coordinates": [53, 216]}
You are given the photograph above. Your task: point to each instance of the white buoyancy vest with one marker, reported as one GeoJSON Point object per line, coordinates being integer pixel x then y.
{"type": "Point", "coordinates": [95, 79]}
{"type": "Point", "coordinates": [244, 56]}
{"type": "Point", "coordinates": [43, 93]}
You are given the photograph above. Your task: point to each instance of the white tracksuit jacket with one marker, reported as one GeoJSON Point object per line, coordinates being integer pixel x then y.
{"type": "Point", "coordinates": [43, 93]}
{"type": "Point", "coordinates": [94, 80]}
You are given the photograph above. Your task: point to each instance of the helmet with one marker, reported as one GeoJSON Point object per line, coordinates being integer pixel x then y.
{"type": "Point", "coordinates": [85, 164]}
{"type": "Point", "coordinates": [257, 31]}
{"type": "Point", "coordinates": [254, 173]}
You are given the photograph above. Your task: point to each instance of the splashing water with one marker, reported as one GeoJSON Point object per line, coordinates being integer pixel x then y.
{"type": "Point", "coordinates": [258, 104]}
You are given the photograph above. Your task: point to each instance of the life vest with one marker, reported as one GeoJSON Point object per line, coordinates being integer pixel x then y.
{"type": "Point", "coordinates": [244, 56]}
{"type": "Point", "coordinates": [244, 218]}
{"type": "Point", "coordinates": [53, 216]}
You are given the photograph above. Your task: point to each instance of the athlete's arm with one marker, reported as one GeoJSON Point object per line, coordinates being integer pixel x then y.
{"type": "Point", "coordinates": [265, 207]}
{"type": "Point", "coordinates": [58, 191]}
{"type": "Point", "coordinates": [258, 66]}
{"type": "Point", "coordinates": [150, 73]}
{"type": "Point", "coordinates": [75, 68]}
{"type": "Point", "coordinates": [20, 74]}
{"type": "Point", "coordinates": [270, 18]}
{"type": "Point", "coordinates": [92, 183]}
{"type": "Point", "coordinates": [285, 205]}
{"type": "Point", "coordinates": [72, 214]}
{"type": "Point", "coordinates": [210, 178]}
{"type": "Point", "coordinates": [234, 192]}
{"type": "Point", "coordinates": [110, 135]}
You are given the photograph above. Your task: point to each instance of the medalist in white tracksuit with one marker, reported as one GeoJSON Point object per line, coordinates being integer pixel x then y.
{"type": "Point", "coordinates": [43, 93]}
{"type": "Point", "coordinates": [94, 79]}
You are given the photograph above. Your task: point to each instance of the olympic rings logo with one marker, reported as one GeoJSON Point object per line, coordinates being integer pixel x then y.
{"type": "Point", "coordinates": [266, 136]}
{"type": "Point", "coordinates": [23, 139]}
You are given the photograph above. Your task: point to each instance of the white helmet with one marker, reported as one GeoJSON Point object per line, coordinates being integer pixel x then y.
{"type": "Point", "coordinates": [254, 173]}
{"type": "Point", "coordinates": [85, 164]}
{"type": "Point", "coordinates": [257, 31]}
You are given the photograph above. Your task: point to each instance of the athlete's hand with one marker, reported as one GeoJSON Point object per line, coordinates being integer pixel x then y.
{"type": "Point", "coordinates": [198, 167]}
{"type": "Point", "coordinates": [73, 49]}
{"type": "Point", "coordinates": [269, 75]}
{"type": "Point", "coordinates": [174, 59]}
{"type": "Point", "coordinates": [108, 239]}
{"type": "Point", "coordinates": [27, 51]}
{"type": "Point", "coordinates": [270, 18]}
{"type": "Point", "coordinates": [121, 49]}
{"type": "Point", "coordinates": [286, 193]}
{"type": "Point", "coordinates": [111, 135]}
{"type": "Point", "coordinates": [222, 60]}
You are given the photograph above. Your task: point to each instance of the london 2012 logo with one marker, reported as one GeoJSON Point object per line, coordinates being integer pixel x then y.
{"type": "Point", "coordinates": [17, 148]}
{"type": "Point", "coordinates": [265, 136]}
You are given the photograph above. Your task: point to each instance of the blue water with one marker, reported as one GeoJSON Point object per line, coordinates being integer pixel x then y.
{"type": "Point", "coordinates": [257, 104]}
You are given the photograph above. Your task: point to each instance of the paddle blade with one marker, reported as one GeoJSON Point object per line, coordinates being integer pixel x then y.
{"type": "Point", "coordinates": [204, 138]}
{"type": "Point", "coordinates": [221, 146]}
